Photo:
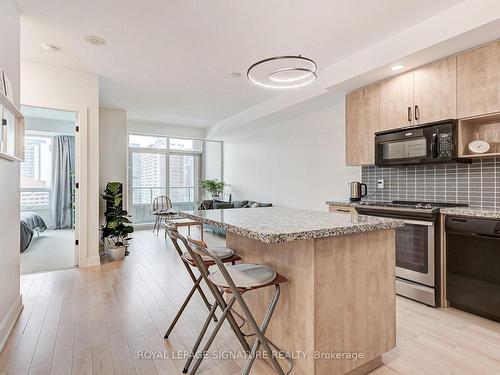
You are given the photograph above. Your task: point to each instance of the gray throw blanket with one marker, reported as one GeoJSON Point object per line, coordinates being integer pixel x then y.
{"type": "Point", "coordinates": [29, 222]}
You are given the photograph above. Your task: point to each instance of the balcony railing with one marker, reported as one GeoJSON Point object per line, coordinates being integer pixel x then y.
{"type": "Point", "coordinates": [141, 199]}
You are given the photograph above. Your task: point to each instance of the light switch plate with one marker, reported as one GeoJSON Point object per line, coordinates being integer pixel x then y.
{"type": "Point", "coordinates": [380, 184]}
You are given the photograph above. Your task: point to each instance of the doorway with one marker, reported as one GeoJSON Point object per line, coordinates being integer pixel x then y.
{"type": "Point", "coordinates": [48, 190]}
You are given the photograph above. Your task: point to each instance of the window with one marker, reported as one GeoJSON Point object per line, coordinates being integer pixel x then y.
{"type": "Point", "coordinates": [36, 172]}
{"type": "Point", "coordinates": [162, 166]}
{"type": "Point", "coordinates": [148, 177]}
{"type": "Point", "coordinates": [185, 144]}
{"type": "Point", "coordinates": [183, 170]}
{"type": "Point", "coordinates": [145, 141]}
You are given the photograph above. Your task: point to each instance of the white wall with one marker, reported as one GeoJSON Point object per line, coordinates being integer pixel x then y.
{"type": "Point", "coordinates": [113, 150]}
{"type": "Point", "coordinates": [59, 127]}
{"type": "Point", "coordinates": [59, 86]}
{"type": "Point", "coordinates": [165, 129]}
{"type": "Point", "coordinates": [298, 162]}
{"type": "Point", "coordinates": [10, 298]}
{"type": "Point", "coordinates": [212, 160]}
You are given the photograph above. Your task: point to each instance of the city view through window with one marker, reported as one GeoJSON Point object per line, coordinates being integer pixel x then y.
{"type": "Point", "coordinates": [36, 172]}
{"type": "Point", "coordinates": [163, 166]}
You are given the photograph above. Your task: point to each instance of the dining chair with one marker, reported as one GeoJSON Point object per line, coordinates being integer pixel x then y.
{"type": "Point", "coordinates": [161, 208]}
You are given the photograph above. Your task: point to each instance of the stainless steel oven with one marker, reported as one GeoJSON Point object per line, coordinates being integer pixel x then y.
{"type": "Point", "coordinates": [415, 261]}
{"type": "Point", "coordinates": [416, 249]}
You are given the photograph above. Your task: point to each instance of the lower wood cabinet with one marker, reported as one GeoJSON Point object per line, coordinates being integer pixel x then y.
{"type": "Point", "coordinates": [362, 121]}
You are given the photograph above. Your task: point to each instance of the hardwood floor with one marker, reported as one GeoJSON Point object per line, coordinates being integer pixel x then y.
{"type": "Point", "coordinates": [99, 320]}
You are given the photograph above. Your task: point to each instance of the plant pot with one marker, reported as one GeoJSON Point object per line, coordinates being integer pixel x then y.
{"type": "Point", "coordinates": [117, 253]}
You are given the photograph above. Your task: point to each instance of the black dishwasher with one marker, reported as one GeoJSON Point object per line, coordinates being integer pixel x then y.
{"type": "Point", "coordinates": [473, 265]}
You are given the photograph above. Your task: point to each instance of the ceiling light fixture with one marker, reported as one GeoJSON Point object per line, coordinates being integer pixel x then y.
{"type": "Point", "coordinates": [283, 72]}
{"type": "Point", "coordinates": [50, 47]}
{"type": "Point", "coordinates": [397, 67]}
{"type": "Point", "coordinates": [95, 40]}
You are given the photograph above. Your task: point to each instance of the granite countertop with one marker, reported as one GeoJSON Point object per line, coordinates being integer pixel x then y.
{"type": "Point", "coordinates": [471, 212]}
{"type": "Point", "coordinates": [278, 224]}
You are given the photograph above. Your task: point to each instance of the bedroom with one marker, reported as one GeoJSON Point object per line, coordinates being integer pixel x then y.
{"type": "Point", "coordinates": [47, 240]}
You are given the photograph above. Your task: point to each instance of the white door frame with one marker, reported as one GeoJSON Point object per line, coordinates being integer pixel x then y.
{"type": "Point", "coordinates": [81, 112]}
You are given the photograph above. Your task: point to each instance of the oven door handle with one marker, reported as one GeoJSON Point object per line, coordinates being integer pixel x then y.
{"type": "Point", "coordinates": [418, 222]}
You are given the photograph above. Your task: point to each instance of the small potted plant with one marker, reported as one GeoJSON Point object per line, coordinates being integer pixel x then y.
{"type": "Point", "coordinates": [214, 187]}
{"type": "Point", "coordinates": [117, 229]}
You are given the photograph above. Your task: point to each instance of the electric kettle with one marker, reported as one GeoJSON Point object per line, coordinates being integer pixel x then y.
{"type": "Point", "coordinates": [357, 190]}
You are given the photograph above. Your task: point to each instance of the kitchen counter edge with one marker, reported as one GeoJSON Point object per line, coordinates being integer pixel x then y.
{"type": "Point", "coordinates": [269, 238]}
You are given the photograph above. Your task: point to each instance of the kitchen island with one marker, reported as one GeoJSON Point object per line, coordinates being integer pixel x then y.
{"type": "Point", "coordinates": [336, 314]}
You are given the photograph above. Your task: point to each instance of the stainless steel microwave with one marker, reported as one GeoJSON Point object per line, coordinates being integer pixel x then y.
{"type": "Point", "coordinates": [424, 144]}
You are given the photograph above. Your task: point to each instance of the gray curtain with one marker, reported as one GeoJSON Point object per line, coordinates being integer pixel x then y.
{"type": "Point", "coordinates": [63, 168]}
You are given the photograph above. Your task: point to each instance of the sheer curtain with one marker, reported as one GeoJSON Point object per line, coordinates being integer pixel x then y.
{"type": "Point", "coordinates": [63, 169]}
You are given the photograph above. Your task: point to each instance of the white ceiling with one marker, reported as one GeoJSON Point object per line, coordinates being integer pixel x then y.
{"type": "Point", "coordinates": [171, 61]}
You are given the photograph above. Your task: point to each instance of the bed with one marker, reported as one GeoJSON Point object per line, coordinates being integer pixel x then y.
{"type": "Point", "coordinates": [30, 222]}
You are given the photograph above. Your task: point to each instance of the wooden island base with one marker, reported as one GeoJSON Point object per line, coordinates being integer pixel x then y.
{"type": "Point", "coordinates": [340, 298]}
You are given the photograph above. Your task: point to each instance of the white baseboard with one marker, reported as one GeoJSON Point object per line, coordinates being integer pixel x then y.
{"type": "Point", "coordinates": [93, 261]}
{"type": "Point", "coordinates": [10, 320]}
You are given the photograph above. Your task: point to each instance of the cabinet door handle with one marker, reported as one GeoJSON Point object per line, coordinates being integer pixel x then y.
{"type": "Point", "coordinates": [409, 114]}
{"type": "Point", "coordinates": [417, 112]}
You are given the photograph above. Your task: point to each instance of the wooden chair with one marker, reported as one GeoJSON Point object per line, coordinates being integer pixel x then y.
{"type": "Point", "coordinates": [161, 208]}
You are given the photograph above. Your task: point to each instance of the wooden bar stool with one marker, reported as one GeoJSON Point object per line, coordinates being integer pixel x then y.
{"type": "Point", "coordinates": [190, 261]}
{"type": "Point", "coordinates": [237, 280]}
{"type": "Point", "coordinates": [184, 222]}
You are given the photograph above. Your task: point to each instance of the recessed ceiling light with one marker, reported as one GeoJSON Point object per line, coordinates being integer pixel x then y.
{"type": "Point", "coordinates": [95, 40]}
{"type": "Point", "coordinates": [397, 67]}
{"type": "Point", "coordinates": [50, 47]}
{"type": "Point", "coordinates": [235, 75]}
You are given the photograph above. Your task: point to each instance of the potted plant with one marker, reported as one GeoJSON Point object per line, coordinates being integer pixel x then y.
{"type": "Point", "coordinates": [117, 229]}
{"type": "Point", "coordinates": [214, 187]}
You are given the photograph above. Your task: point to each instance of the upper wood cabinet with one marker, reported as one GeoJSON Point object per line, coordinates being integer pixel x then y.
{"type": "Point", "coordinates": [462, 86]}
{"type": "Point", "coordinates": [478, 81]}
{"type": "Point", "coordinates": [396, 101]}
{"type": "Point", "coordinates": [424, 95]}
{"type": "Point", "coordinates": [434, 91]}
{"type": "Point", "coordinates": [362, 121]}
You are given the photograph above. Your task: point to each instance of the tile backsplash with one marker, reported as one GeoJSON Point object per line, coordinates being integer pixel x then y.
{"type": "Point", "coordinates": [477, 184]}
